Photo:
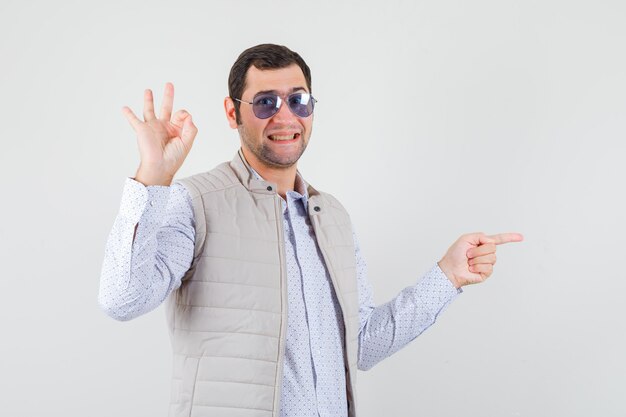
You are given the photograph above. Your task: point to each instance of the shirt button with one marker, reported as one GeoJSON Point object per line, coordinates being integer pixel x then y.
{"type": "Point", "coordinates": [317, 208]}
{"type": "Point", "coordinates": [269, 188]}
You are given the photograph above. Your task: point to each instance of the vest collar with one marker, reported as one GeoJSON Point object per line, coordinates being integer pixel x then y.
{"type": "Point", "coordinates": [243, 170]}
{"type": "Point", "coordinates": [252, 182]}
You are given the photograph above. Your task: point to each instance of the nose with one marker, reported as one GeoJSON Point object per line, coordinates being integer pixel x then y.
{"type": "Point", "coordinates": [284, 114]}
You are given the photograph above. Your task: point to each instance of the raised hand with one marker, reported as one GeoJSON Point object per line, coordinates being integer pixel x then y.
{"type": "Point", "coordinates": [471, 258]}
{"type": "Point", "coordinates": [164, 142]}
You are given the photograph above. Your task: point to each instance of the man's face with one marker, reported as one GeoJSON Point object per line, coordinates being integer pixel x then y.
{"type": "Point", "coordinates": [280, 140]}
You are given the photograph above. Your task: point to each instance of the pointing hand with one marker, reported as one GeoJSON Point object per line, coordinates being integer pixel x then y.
{"type": "Point", "coordinates": [471, 258]}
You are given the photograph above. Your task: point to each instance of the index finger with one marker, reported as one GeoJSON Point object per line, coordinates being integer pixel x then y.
{"type": "Point", "coordinates": [501, 238]}
{"type": "Point", "coordinates": [168, 102]}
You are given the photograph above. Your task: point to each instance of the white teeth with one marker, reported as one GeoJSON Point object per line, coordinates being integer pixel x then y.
{"type": "Point", "coordinates": [277, 137]}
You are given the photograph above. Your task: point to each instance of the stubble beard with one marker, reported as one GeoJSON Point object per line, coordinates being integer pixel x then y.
{"type": "Point", "coordinates": [266, 155]}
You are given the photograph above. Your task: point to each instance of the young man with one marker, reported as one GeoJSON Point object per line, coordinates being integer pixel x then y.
{"type": "Point", "coordinates": [269, 308]}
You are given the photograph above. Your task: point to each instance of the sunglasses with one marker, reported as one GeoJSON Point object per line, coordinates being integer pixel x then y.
{"type": "Point", "coordinates": [265, 105]}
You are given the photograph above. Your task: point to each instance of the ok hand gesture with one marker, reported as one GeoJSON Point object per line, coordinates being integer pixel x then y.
{"type": "Point", "coordinates": [471, 258]}
{"type": "Point", "coordinates": [164, 142]}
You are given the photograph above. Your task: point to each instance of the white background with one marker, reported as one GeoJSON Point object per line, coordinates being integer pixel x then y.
{"type": "Point", "coordinates": [434, 119]}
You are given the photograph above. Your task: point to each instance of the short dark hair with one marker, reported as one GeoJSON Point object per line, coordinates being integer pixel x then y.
{"type": "Point", "coordinates": [265, 56]}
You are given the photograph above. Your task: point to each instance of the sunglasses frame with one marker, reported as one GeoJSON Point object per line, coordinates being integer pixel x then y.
{"type": "Point", "coordinates": [279, 103]}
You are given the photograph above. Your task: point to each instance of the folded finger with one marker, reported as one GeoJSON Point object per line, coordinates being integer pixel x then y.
{"type": "Point", "coordinates": [189, 132]}
{"type": "Point", "coordinates": [481, 269]}
{"type": "Point", "coordinates": [148, 106]}
{"type": "Point", "coordinates": [481, 250]}
{"type": "Point", "coordinates": [179, 117]}
{"type": "Point", "coordinates": [168, 102]}
{"type": "Point", "coordinates": [486, 259]}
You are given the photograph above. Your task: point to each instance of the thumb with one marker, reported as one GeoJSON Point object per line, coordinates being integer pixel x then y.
{"type": "Point", "coordinates": [477, 239]}
{"type": "Point", "coordinates": [189, 132]}
{"type": "Point", "coordinates": [482, 239]}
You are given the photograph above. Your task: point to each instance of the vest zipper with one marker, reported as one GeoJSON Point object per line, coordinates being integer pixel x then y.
{"type": "Point", "coordinates": [278, 207]}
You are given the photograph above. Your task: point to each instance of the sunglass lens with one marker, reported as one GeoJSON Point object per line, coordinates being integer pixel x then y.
{"type": "Point", "coordinates": [265, 105]}
{"type": "Point", "coordinates": [301, 104]}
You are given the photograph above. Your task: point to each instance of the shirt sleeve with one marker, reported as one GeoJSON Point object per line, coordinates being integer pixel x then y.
{"type": "Point", "coordinates": [148, 251]}
{"type": "Point", "coordinates": [387, 328]}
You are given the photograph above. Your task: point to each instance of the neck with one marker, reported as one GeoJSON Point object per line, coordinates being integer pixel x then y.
{"type": "Point", "coordinates": [285, 178]}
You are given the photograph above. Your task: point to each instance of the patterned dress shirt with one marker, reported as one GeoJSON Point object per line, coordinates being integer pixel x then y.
{"type": "Point", "coordinates": [138, 274]}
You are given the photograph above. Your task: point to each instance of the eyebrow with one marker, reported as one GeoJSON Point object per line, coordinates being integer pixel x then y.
{"type": "Point", "coordinates": [293, 90]}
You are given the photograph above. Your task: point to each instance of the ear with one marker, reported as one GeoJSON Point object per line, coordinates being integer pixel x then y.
{"type": "Point", "coordinates": [229, 107]}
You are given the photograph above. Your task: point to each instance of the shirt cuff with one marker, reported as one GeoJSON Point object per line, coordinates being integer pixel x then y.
{"type": "Point", "coordinates": [439, 285]}
{"type": "Point", "coordinates": [139, 200]}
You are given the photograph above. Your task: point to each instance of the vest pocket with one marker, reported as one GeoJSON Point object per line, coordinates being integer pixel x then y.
{"type": "Point", "coordinates": [187, 387]}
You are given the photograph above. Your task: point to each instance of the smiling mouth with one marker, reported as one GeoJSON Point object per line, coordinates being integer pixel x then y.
{"type": "Point", "coordinates": [279, 138]}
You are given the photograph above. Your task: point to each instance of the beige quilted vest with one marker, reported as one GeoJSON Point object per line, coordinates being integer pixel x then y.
{"type": "Point", "coordinates": [229, 317]}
